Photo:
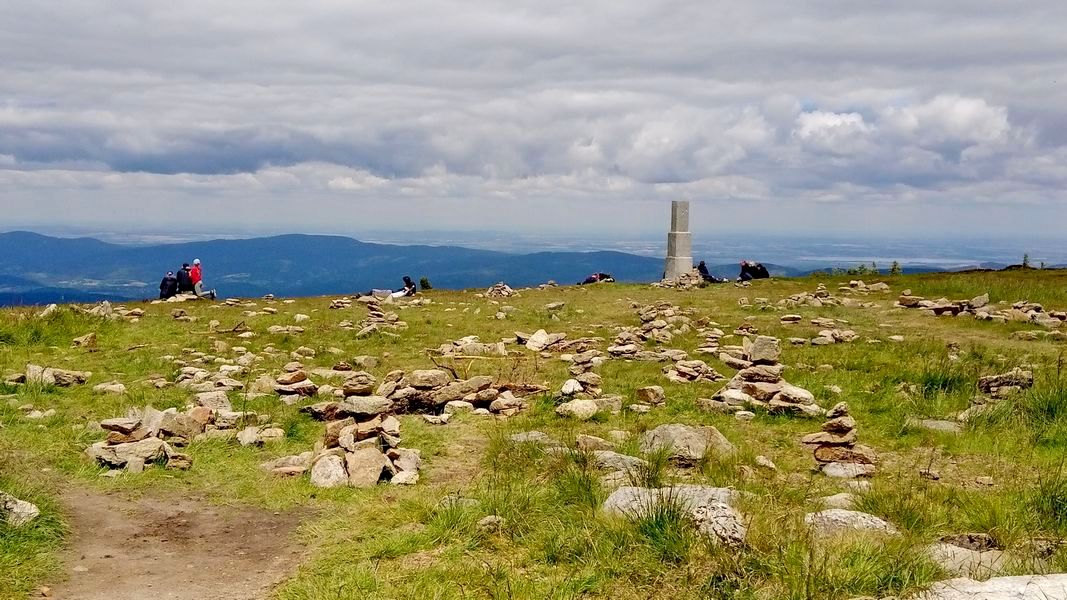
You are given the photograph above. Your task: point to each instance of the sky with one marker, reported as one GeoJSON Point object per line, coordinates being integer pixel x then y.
{"type": "Point", "coordinates": [340, 116]}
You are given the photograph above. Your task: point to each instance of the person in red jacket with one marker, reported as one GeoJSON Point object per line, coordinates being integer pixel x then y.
{"type": "Point", "coordinates": [198, 281]}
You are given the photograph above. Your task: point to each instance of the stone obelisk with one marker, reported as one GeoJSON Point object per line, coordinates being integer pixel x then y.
{"type": "Point", "coordinates": [679, 241]}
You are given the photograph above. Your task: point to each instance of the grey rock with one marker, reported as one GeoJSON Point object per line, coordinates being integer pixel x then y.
{"type": "Point", "coordinates": [836, 520]}
{"type": "Point", "coordinates": [686, 443]}
{"type": "Point", "coordinates": [613, 461]}
{"type": "Point", "coordinates": [15, 512]}
{"type": "Point", "coordinates": [329, 472]}
{"type": "Point", "coordinates": [365, 467]}
{"type": "Point", "coordinates": [583, 410]}
{"type": "Point", "coordinates": [1021, 587]}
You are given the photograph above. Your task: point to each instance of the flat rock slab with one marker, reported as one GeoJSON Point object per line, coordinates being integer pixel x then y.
{"type": "Point", "coordinates": [174, 548]}
{"type": "Point", "coordinates": [1024, 587]}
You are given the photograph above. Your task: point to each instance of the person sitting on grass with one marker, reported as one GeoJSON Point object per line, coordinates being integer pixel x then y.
{"type": "Point", "coordinates": [707, 276]}
{"type": "Point", "coordinates": [168, 287]}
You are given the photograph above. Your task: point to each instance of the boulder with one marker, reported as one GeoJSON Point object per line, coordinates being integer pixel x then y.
{"type": "Point", "coordinates": [764, 350]}
{"type": "Point", "coordinates": [613, 461]}
{"type": "Point", "coordinates": [217, 401]}
{"type": "Point", "coordinates": [837, 520]}
{"type": "Point", "coordinates": [582, 409]}
{"type": "Point", "coordinates": [365, 466]}
{"type": "Point", "coordinates": [1020, 587]}
{"type": "Point", "coordinates": [707, 507]}
{"type": "Point", "coordinates": [365, 406]}
{"type": "Point", "coordinates": [425, 379]}
{"type": "Point", "coordinates": [458, 390]}
{"type": "Point", "coordinates": [360, 383]}
{"type": "Point", "coordinates": [329, 472]}
{"type": "Point", "coordinates": [651, 394]}
{"type": "Point", "coordinates": [15, 512]}
{"type": "Point", "coordinates": [686, 443]}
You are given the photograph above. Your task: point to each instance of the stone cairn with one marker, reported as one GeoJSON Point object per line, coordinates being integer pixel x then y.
{"type": "Point", "coordinates": [660, 322]}
{"type": "Point", "coordinates": [835, 447]}
{"type": "Point", "coordinates": [500, 290]}
{"type": "Point", "coordinates": [431, 392]}
{"type": "Point", "coordinates": [359, 449]}
{"type": "Point", "coordinates": [994, 388]}
{"type": "Point", "coordinates": [759, 384]}
{"type": "Point", "coordinates": [712, 339]}
{"type": "Point", "coordinates": [379, 320]}
{"type": "Point", "coordinates": [691, 371]}
{"type": "Point", "coordinates": [980, 309]}
{"type": "Point", "coordinates": [583, 362]}
{"type": "Point", "coordinates": [471, 346]}
{"type": "Point", "coordinates": [341, 303]}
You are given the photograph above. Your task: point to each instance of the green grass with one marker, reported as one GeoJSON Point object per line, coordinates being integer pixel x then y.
{"type": "Point", "coordinates": [556, 543]}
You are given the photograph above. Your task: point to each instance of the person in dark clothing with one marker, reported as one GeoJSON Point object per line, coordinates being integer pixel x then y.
{"type": "Point", "coordinates": [185, 280]}
{"type": "Point", "coordinates": [598, 278]}
{"type": "Point", "coordinates": [168, 287]}
{"type": "Point", "coordinates": [706, 275]}
{"type": "Point", "coordinates": [752, 270]}
{"type": "Point", "coordinates": [407, 290]}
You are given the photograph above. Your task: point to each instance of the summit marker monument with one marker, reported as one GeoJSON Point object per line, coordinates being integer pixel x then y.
{"type": "Point", "coordinates": [679, 241]}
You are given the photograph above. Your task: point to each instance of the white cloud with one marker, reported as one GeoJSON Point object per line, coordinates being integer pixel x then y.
{"type": "Point", "coordinates": [492, 114]}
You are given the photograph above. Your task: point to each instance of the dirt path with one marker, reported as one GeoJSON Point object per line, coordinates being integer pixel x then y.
{"type": "Point", "coordinates": [174, 549]}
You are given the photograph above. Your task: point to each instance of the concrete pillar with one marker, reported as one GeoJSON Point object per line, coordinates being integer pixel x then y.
{"type": "Point", "coordinates": [679, 241]}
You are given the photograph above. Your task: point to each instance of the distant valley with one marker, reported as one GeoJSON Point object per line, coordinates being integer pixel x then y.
{"type": "Point", "coordinates": [39, 269]}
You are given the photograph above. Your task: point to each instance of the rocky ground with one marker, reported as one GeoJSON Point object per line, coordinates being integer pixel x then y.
{"type": "Point", "coordinates": [810, 438]}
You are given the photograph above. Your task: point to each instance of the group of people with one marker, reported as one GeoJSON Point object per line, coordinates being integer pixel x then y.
{"type": "Point", "coordinates": [188, 280]}
{"type": "Point", "coordinates": [749, 270]}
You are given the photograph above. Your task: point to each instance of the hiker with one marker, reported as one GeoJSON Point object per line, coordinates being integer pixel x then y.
{"type": "Point", "coordinates": [168, 287]}
{"type": "Point", "coordinates": [407, 290]}
{"type": "Point", "coordinates": [598, 278]}
{"type": "Point", "coordinates": [185, 280]}
{"type": "Point", "coordinates": [197, 277]}
{"type": "Point", "coordinates": [752, 270]}
{"type": "Point", "coordinates": [707, 276]}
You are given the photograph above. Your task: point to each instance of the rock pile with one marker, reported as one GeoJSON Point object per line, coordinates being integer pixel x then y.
{"type": "Point", "coordinates": [712, 339]}
{"type": "Point", "coordinates": [690, 371]}
{"type": "Point", "coordinates": [341, 303]}
{"type": "Point", "coordinates": [820, 297]}
{"type": "Point", "coordinates": [378, 319]}
{"type": "Point", "coordinates": [540, 341]}
{"type": "Point", "coordinates": [141, 438]}
{"type": "Point", "coordinates": [685, 281]}
{"type": "Point", "coordinates": [430, 391]}
{"type": "Point", "coordinates": [759, 384]}
{"type": "Point", "coordinates": [979, 307]}
{"type": "Point", "coordinates": [828, 337]}
{"type": "Point", "coordinates": [994, 388]}
{"type": "Point", "coordinates": [472, 346]}
{"type": "Point", "coordinates": [584, 362]}
{"type": "Point", "coordinates": [835, 447]}
{"type": "Point", "coordinates": [197, 379]}
{"type": "Point", "coordinates": [49, 376]}
{"type": "Point", "coordinates": [500, 290]}
{"type": "Point", "coordinates": [357, 450]}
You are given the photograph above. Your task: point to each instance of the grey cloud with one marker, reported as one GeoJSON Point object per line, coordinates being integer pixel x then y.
{"type": "Point", "coordinates": [430, 106]}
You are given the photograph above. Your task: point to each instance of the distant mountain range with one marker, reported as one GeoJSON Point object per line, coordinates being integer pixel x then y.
{"type": "Point", "coordinates": [38, 269]}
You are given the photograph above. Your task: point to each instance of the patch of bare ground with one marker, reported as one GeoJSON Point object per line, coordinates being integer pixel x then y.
{"type": "Point", "coordinates": [174, 548]}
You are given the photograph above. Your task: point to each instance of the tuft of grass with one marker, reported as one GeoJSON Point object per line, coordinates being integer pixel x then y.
{"type": "Point", "coordinates": [665, 527]}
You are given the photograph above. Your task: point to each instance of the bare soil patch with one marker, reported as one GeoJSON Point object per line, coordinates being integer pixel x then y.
{"type": "Point", "coordinates": [174, 548]}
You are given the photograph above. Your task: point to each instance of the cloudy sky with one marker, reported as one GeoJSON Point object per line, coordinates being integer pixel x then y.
{"type": "Point", "coordinates": [344, 115]}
